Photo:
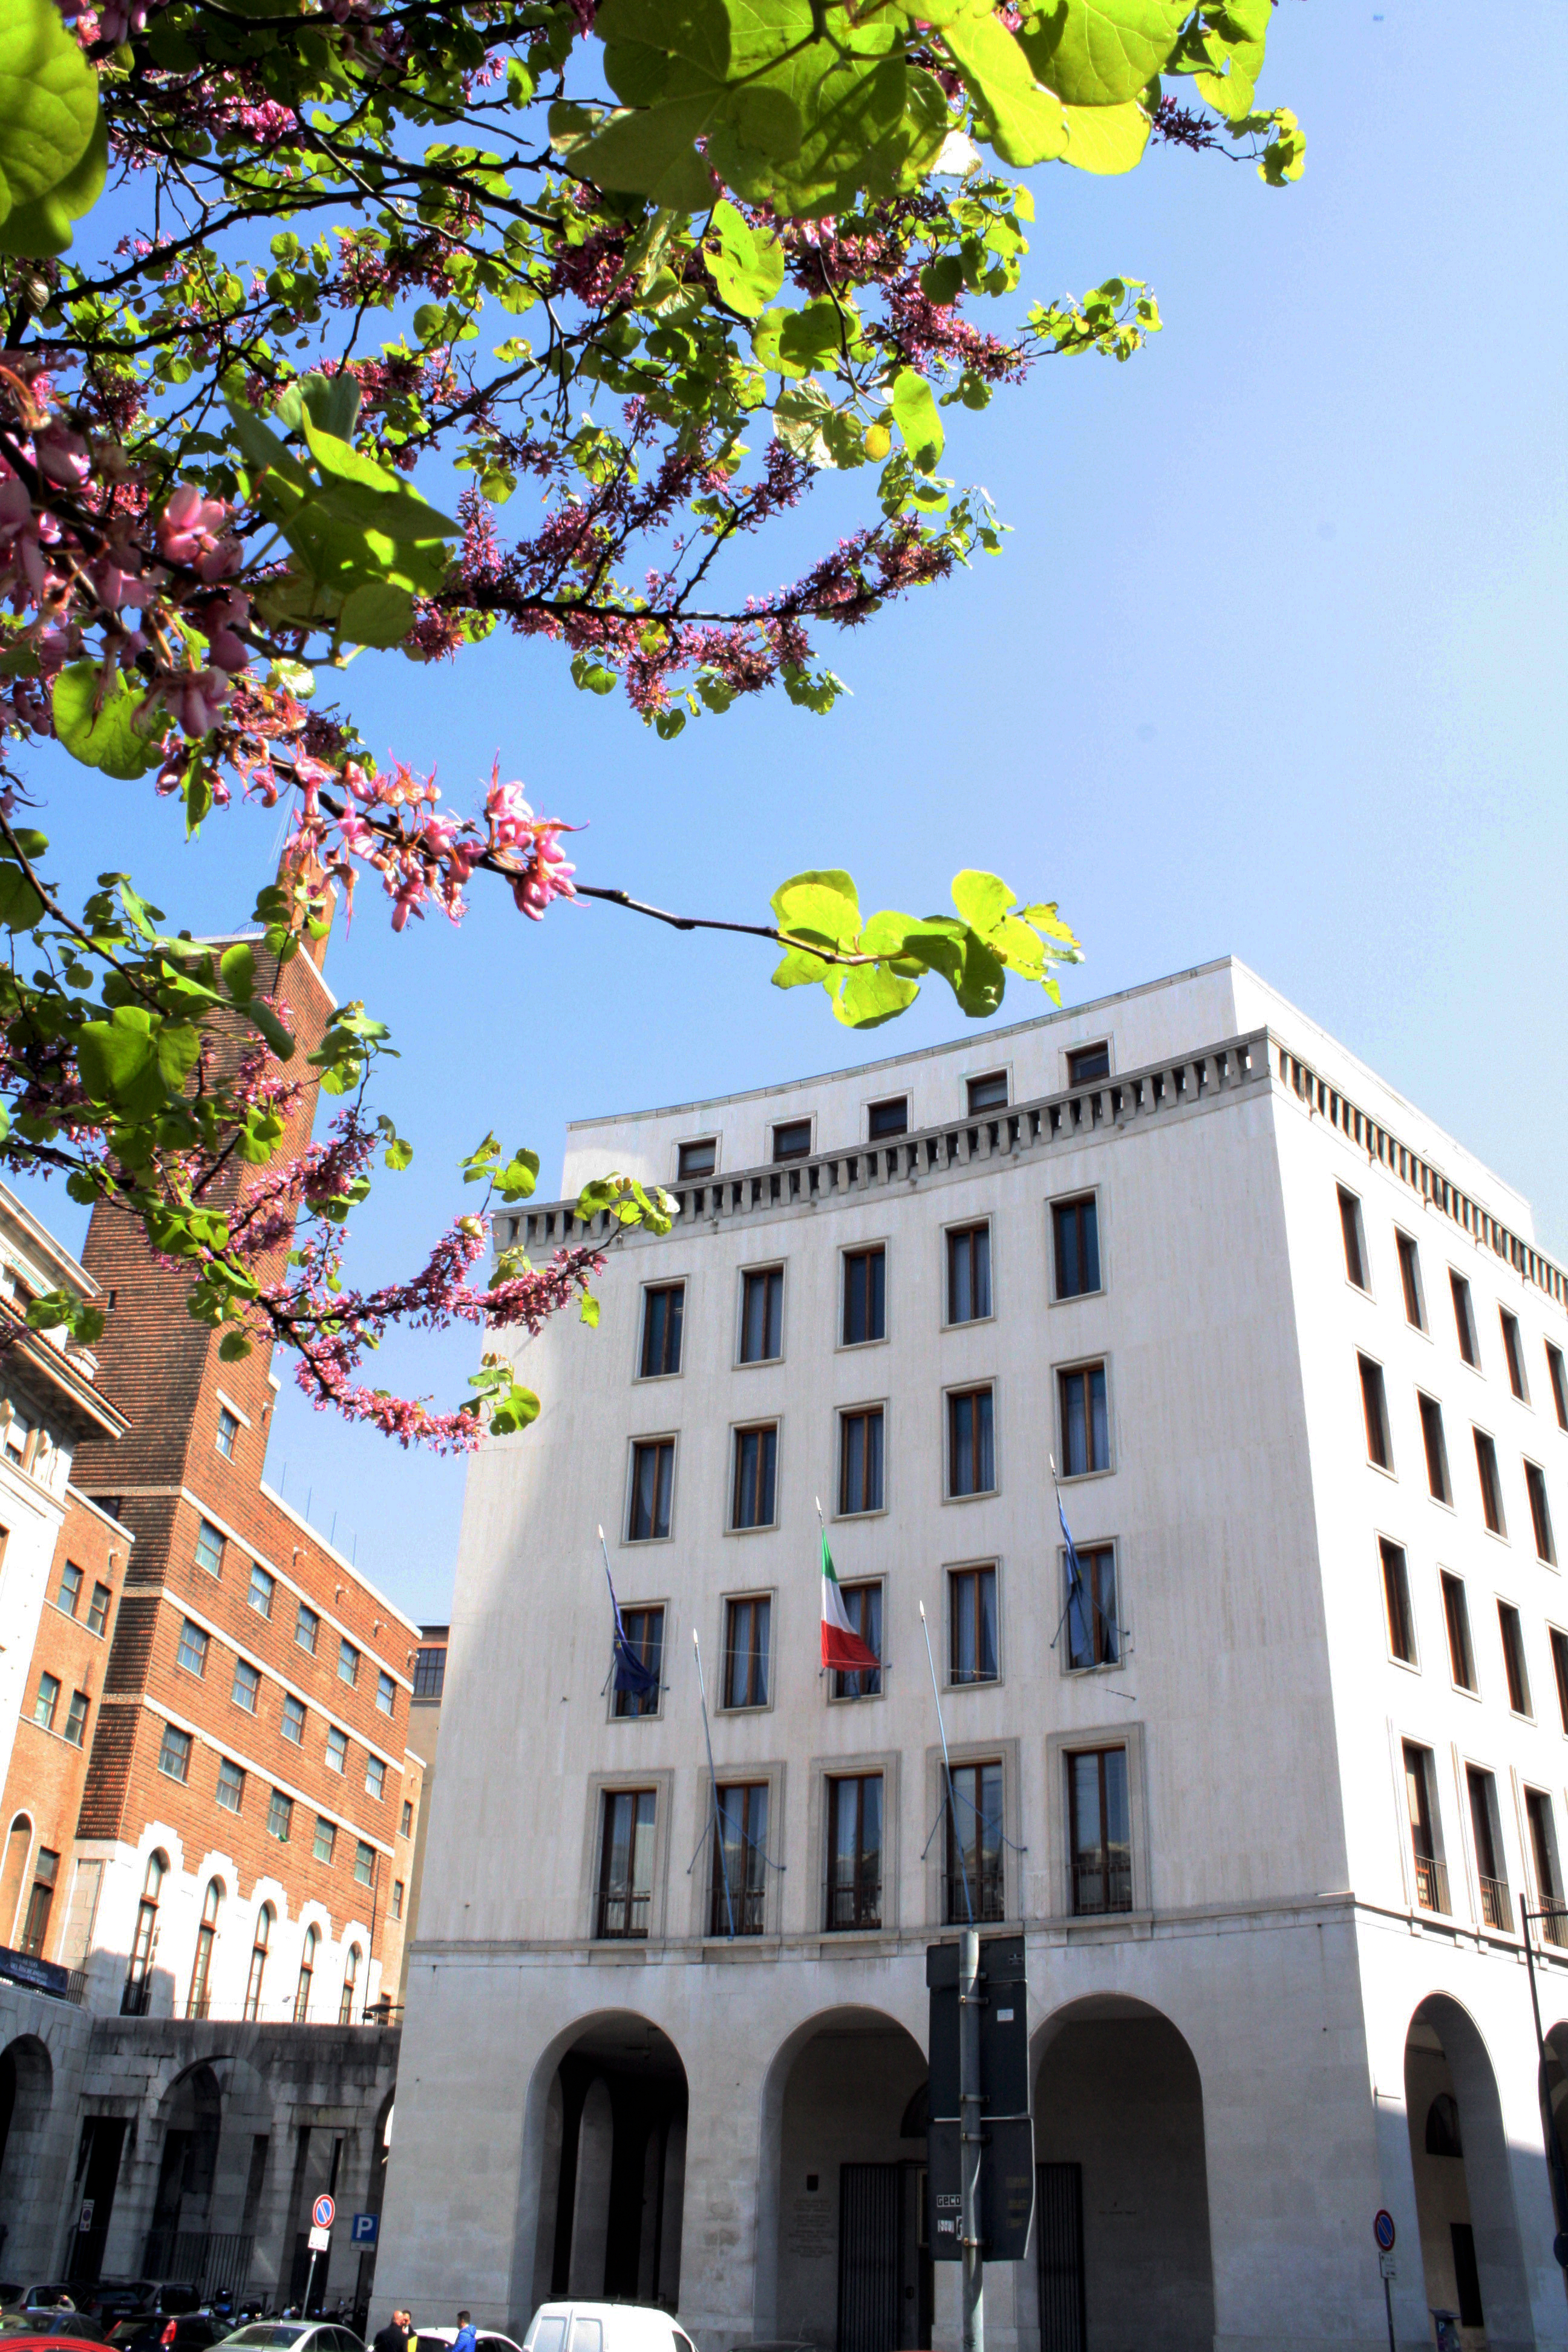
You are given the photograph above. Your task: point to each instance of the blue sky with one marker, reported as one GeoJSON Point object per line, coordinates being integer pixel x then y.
{"type": "Point", "coordinates": [1272, 665]}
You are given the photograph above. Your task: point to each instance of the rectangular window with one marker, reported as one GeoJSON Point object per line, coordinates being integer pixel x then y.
{"type": "Point", "coordinates": [1491, 1485]}
{"type": "Point", "coordinates": [1456, 1617]}
{"type": "Point", "coordinates": [988, 1092]}
{"type": "Point", "coordinates": [227, 1430]}
{"type": "Point", "coordinates": [756, 1467]}
{"type": "Point", "coordinates": [1543, 1850]}
{"type": "Point", "coordinates": [40, 1903]}
{"type": "Point", "coordinates": [740, 1891]}
{"type": "Point", "coordinates": [1410, 1280]}
{"type": "Point", "coordinates": [761, 1314]}
{"type": "Point", "coordinates": [697, 1159]}
{"type": "Point", "coordinates": [865, 1295]}
{"type": "Point", "coordinates": [374, 1777]}
{"type": "Point", "coordinates": [975, 1890]}
{"type": "Point", "coordinates": [1374, 1407]}
{"type": "Point", "coordinates": [364, 1862]}
{"type": "Point", "coordinates": [1396, 1603]}
{"type": "Point", "coordinates": [626, 1862]}
{"type": "Point", "coordinates": [307, 1625]}
{"type": "Point", "coordinates": [230, 1785]}
{"type": "Point", "coordinates": [348, 1661]}
{"type": "Point", "coordinates": [1094, 1638]}
{"type": "Point", "coordinates": [1431, 1878]}
{"type": "Point", "coordinates": [325, 1839]}
{"type": "Point", "coordinates": [48, 1698]}
{"type": "Point", "coordinates": [855, 1852]}
{"type": "Point", "coordinates": [262, 1587]}
{"type": "Point", "coordinates": [791, 1140]}
{"type": "Point", "coordinates": [1464, 1320]}
{"type": "Point", "coordinates": [1074, 1227]}
{"type": "Point", "coordinates": [644, 1638]}
{"type": "Point", "coordinates": [1514, 1354]}
{"type": "Point", "coordinates": [969, 1274]}
{"type": "Point", "coordinates": [1432, 1438]}
{"type": "Point", "coordinates": [1101, 1830]}
{"type": "Point", "coordinates": [70, 1593]}
{"type": "Point", "coordinates": [863, 1607]}
{"type": "Point", "coordinates": [293, 1718]}
{"type": "Point", "coordinates": [972, 1625]}
{"type": "Point", "coordinates": [405, 1823]}
{"type": "Point", "coordinates": [209, 1547]}
{"type": "Point", "coordinates": [1560, 1668]}
{"type": "Point", "coordinates": [663, 1312]}
{"type": "Point", "coordinates": [192, 1653]}
{"type": "Point", "coordinates": [98, 1609]}
{"type": "Point", "coordinates": [1086, 1430]}
{"type": "Point", "coordinates": [653, 1475]}
{"type": "Point", "coordinates": [747, 1628]}
{"type": "Point", "coordinates": [1541, 1517]}
{"type": "Point", "coordinates": [76, 1718]}
{"type": "Point", "coordinates": [397, 1898]}
{"type": "Point", "coordinates": [1086, 1063]}
{"type": "Point", "coordinates": [337, 1749]}
{"type": "Point", "coordinates": [1496, 1908]}
{"type": "Point", "coordinates": [385, 1694]}
{"type": "Point", "coordinates": [430, 1667]}
{"type": "Point", "coordinates": [860, 1460]}
{"type": "Point", "coordinates": [247, 1684]}
{"type": "Point", "coordinates": [279, 1816]}
{"type": "Point", "coordinates": [174, 1753]}
{"type": "Point", "coordinates": [1512, 1634]}
{"type": "Point", "coordinates": [971, 1443]}
{"type": "Point", "coordinates": [1355, 1239]}
{"type": "Point", "coordinates": [1558, 1373]}
{"type": "Point", "coordinates": [890, 1118]}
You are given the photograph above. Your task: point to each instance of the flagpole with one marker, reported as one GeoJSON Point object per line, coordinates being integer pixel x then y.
{"type": "Point", "coordinates": [713, 1783]}
{"type": "Point", "coordinates": [946, 1767]}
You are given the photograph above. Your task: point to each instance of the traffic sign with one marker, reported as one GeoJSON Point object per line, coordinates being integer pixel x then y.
{"type": "Point", "coordinates": [364, 2228]}
{"type": "Point", "coordinates": [320, 2241]}
{"type": "Point", "coordinates": [321, 2212]}
{"type": "Point", "coordinates": [1383, 2229]}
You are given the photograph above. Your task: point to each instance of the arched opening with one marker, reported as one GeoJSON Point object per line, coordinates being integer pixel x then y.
{"type": "Point", "coordinates": [307, 1972]}
{"type": "Point", "coordinates": [18, 1845]}
{"type": "Point", "coordinates": [137, 1996]}
{"type": "Point", "coordinates": [350, 1979]}
{"type": "Point", "coordinates": [841, 2242]}
{"type": "Point", "coordinates": [200, 2000]}
{"type": "Point", "coordinates": [1470, 2254]}
{"type": "Point", "coordinates": [216, 2120]}
{"type": "Point", "coordinates": [260, 1944]}
{"type": "Point", "coordinates": [193, 2118]}
{"type": "Point", "coordinates": [27, 2092]}
{"type": "Point", "coordinates": [1121, 2251]}
{"type": "Point", "coordinates": [613, 2164]}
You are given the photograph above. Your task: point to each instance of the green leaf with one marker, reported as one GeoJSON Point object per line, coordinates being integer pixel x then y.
{"type": "Point", "coordinates": [1025, 122]}
{"type": "Point", "coordinates": [748, 265]}
{"type": "Point", "coordinates": [20, 905]}
{"type": "Point", "coordinates": [519, 1178]}
{"type": "Point", "coordinates": [238, 965]}
{"type": "Point", "coordinates": [49, 105]}
{"type": "Point", "coordinates": [118, 1063]}
{"type": "Point", "coordinates": [105, 738]}
{"type": "Point", "coordinates": [44, 226]}
{"type": "Point", "coordinates": [1234, 38]}
{"type": "Point", "coordinates": [176, 1044]}
{"type": "Point", "coordinates": [981, 900]}
{"type": "Point", "coordinates": [235, 1345]}
{"type": "Point", "coordinates": [1106, 139]}
{"type": "Point", "coordinates": [262, 1017]}
{"type": "Point", "coordinates": [590, 1310]}
{"type": "Point", "coordinates": [378, 615]}
{"type": "Point", "coordinates": [649, 152]}
{"type": "Point", "coordinates": [915, 414]}
{"type": "Point", "coordinates": [819, 905]}
{"type": "Point", "coordinates": [1099, 52]}
{"type": "Point", "coordinates": [872, 994]}
{"type": "Point", "coordinates": [818, 331]}
{"type": "Point", "coordinates": [398, 1154]}
{"type": "Point", "coordinates": [1285, 157]}
{"type": "Point", "coordinates": [519, 1407]}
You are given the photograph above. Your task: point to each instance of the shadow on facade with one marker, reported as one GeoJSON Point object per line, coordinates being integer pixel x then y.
{"type": "Point", "coordinates": [27, 2097]}
{"type": "Point", "coordinates": [612, 2163]}
{"type": "Point", "coordinates": [1471, 2253]}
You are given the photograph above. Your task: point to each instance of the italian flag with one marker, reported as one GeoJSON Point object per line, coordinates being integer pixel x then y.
{"type": "Point", "coordinates": [842, 1647]}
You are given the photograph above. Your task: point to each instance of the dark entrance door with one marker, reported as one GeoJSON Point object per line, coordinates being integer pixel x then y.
{"type": "Point", "coordinates": [102, 2137]}
{"type": "Point", "coordinates": [1058, 2233]}
{"type": "Point", "coordinates": [870, 2198]}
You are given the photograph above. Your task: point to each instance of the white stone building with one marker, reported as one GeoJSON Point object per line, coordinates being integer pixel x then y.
{"type": "Point", "coordinates": [1267, 1805]}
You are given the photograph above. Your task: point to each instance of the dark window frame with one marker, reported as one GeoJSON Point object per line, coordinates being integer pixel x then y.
{"type": "Point", "coordinates": [979, 1105]}
{"type": "Point", "coordinates": [977, 1403]}
{"type": "Point", "coordinates": [1540, 1512]}
{"type": "Point", "coordinates": [659, 1496]}
{"type": "Point", "coordinates": [1097, 1052]}
{"type": "Point", "coordinates": [1353, 1232]}
{"type": "Point", "coordinates": [861, 1898]}
{"type": "Point", "coordinates": [1557, 1374]}
{"type": "Point", "coordinates": [617, 1902]}
{"type": "Point", "coordinates": [862, 1602]}
{"type": "Point", "coordinates": [975, 1844]}
{"type": "Point", "coordinates": [748, 1887]}
{"type": "Point", "coordinates": [1435, 1445]}
{"type": "Point", "coordinates": [748, 1653]}
{"type": "Point", "coordinates": [1399, 1618]}
{"type": "Point", "coordinates": [1374, 1412]}
{"type": "Point", "coordinates": [1513, 1353]}
{"type": "Point", "coordinates": [789, 1140]}
{"type": "Point", "coordinates": [1082, 1209]}
{"type": "Point", "coordinates": [1489, 1477]}
{"type": "Point", "coordinates": [1099, 1881]}
{"type": "Point", "coordinates": [1456, 1624]}
{"type": "Point", "coordinates": [967, 1271]}
{"type": "Point", "coordinates": [766, 1284]}
{"type": "Point", "coordinates": [754, 1478]}
{"type": "Point", "coordinates": [863, 1287]}
{"type": "Point", "coordinates": [1421, 1807]}
{"type": "Point", "coordinates": [863, 1474]}
{"type": "Point", "coordinates": [1560, 1670]}
{"type": "Point", "coordinates": [1092, 1464]}
{"type": "Point", "coordinates": [1465, 1318]}
{"type": "Point", "coordinates": [690, 1164]}
{"type": "Point", "coordinates": [644, 1626]}
{"type": "Point", "coordinates": [1516, 1670]}
{"type": "Point", "coordinates": [666, 1327]}
{"type": "Point", "coordinates": [973, 1620]}
{"type": "Point", "coordinates": [884, 1112]}
{"type": "Point", "coordinates": [1411, 1284]}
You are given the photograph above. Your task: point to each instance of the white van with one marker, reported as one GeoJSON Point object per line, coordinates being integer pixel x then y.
{"type": "Point", "coordinates": [604, 2327]}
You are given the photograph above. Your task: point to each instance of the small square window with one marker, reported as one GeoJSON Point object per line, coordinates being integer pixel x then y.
{"type": "Point", "coordinates": [209, 1548]}
{"type": "Point", "coordinates": [397, 1898]}
{"type": "Point", "coordinates": [262, 1586]}
{"type": "Point", "coordinates": [337, 1749]}
{"type": "Point", "coordinates": [988, 1092]}
{"type": "Point", "coordinates": [231, 1786]}
{"type": "Point", "coordinates": [294, 1719]}
{"type": "Point", "coordinates": [405, 1825]}
{"type": "Point", "coordinates": [385, 1694]}
{"type": "Point", "coordinates": [791, 1140]}
{"type": "Point", "coordinates": [348, 1661]}
{"type": "Point", "coordinates": [890, 1118]}
{"type": "Point", "coordinates": [70, 1593]}
{"type": "Point", "coordinates": [1086, 1063]}
{"type": "Point", "coordinates": [325, 1839]}
{"type": "Point", "coordinates": [307, 1625]}
{"type": "Point", "coordinates": [192, 1653]}
{"type": "Point", "coordinates": [364, 1862]}
{"type": "Point", "coordinates": [247, 1684]}
{"type": "Point", "coordinates": [374, 1777]}
{"type": "Point", "coordinates": [279, 1815]}
{"type": "Point", "coordinates": [227, 1430]}
{"type": "Point", "coordinates": [697, 1159]}
{"type": "Point", "coordinates": [98, 1609]}
{"type": "Point", "coordinates": [48, 1698]}
{"type": "Point", "coordinates": [174, 1753]}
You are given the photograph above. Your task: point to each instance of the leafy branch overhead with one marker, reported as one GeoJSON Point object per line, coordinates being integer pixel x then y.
{"type": "Point", "coordinates": [872, 967]}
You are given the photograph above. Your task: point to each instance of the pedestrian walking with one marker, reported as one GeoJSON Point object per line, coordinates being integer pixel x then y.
{"type": "Point", "coordinates": [393, 2336]}
{"type": "Point", "coordinates": [466, 2340]}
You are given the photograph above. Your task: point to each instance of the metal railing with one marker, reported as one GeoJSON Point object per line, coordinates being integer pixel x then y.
{"type": "Point", "coordinates": [854, 1902]}
{"type": "Point", "coordinates": [623, 1912]}
{"type": "Point", "coordinates": [1496, 1909]}
{"type": "Point", "coordinates": [1552, 1917]}
{"type": "Point", "coordinates": [208, 2260]}
{"type": "Point", "coordinates": [1431, 1884]}
{"type": "Point", "coordinates": [747, 1904]}
{"type": "Point", "coordinates": [136, 1998]}
{"type": "Point", "coordinates": [1100, 1884]}
{"type": "Point", "coordinates": [988, 1897]}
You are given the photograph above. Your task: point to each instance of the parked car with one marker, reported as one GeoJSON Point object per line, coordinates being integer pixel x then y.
{"type": "Point", "coordinates": [449, 2336]}
{"type": "Point", "coordinates": [293, 2336]}
{"type": "Point", "coordinates": [52, 2297]}
{"type": "Point", "coordinates": [80, 2324]}
{"type": "Point", "coordinates": [601, 2328]}
{"type": "Point", "coordinates": [196, 2331]}
{"type": "Point", "coordinates": [113, 2300]}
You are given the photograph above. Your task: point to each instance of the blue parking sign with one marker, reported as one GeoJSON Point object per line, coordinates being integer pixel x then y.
{"type": "Point", "coordinates": [365, 2229]}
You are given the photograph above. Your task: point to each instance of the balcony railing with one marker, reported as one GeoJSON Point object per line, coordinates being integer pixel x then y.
{"type": "Point", "coordinates": [856, 1902]}
{"type": "Point", "coordinates": [1101, 1884]}
{"type": "Point", "coordinates": [1553, 1921]}
{"type": "Point", "coordinates": [1496, 1910]}
{"type": "Point", "coordinates": [623, 1912]}
{"type": "Point", "coordinates": [210, 2260]}
{"type": "Point", "coordinates": [136, 1999]}
{"type": "Point", "coordinates": [748, 1906]}
{"type": "Point", "coordinates": [988, 1897]}
{"type": "Point", "coordinates": [1431, 1884]}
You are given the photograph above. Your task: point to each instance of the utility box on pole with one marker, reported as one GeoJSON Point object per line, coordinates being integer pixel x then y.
{"type": "Point", "coordinates": [1006, 2183]}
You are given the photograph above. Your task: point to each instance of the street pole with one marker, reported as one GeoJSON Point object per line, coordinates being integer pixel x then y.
{"type": "Point", "coordinates": [1388, 2306]}
{"type": "Point", "coordinates": [970, 2138]}
{"type": "Point", "coordinates": [1548, 2123]}
{"type": "Point", "coordinates": [309, 2283]}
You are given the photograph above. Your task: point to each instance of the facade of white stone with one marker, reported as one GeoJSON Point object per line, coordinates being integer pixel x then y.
{"type": "Point", "coordinates": [1286, 1988]}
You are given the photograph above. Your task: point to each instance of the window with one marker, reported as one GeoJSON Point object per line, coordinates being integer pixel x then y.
{"type": "Point", "coordinates": [174, 1753]}
{"type": "Point", "coordinates": [1431, 1878]}
{"type": "Point", "coordinates": [261, 1588]}
{"type": "Point", "coordinates": [972, 1625]}
{"type": "Point", "coordinates": [325, 1839]}
{"type": "Point", "coordinates": [890, 1118]}
{"type": "Point", "coordinates": [1560, 1668]}
{"type": "Point", "coordinates": [1086, 1434]}
{"type": "Point", "coordinates": [975, 1888]}
{"type": "Point", "coordinates": [348, 1661]}
{"type": "Point", "coordinates": [663, 1311]}
{"type": "Point", "coordinates": [405, 1823]}
{"type": "Point", "coordinates": [307, 1972]}
{"type": "Point", "coordinates": [69, 1592]}
{"type": "Point", "coordinates": [247, 1684]}
{"type": "Point", "coordinates": [626, 1862]}
{"type": "Point", "coordinates": [192, 1653]}
{"type": "Point", "coordinates": [293, 1718]}
{"type": "Point", "coordinates": [855, 1852]}
{"type": "Point", "coordinates": [1559, 1377]}
{"type": "Point", "coordinates": [279, 1816]}
{"type": "Point", "coordinates": [76, 1718]}
{"type": "Point", "coordinates": [1464, 1321]}
{"type": "Point", "coordinates": [199, 1999]}
{"type": "Point", "coordinates": [1437, 1481]}
{"type": "Point", "coordinates": [969, 1274]}
{"type": "Point", "coordinates": [697, 1159]}
{"type": "Point", "coordinates": [1094, 1637]}
{"type": "Point", "coordinates": [40, 1901]}
{"type": "Point", "coordinates": [430, 1667]}
{"type": "Point", "coordinates": [1514, 1354]}
{"type": "Point", "coordinates": [230, 1785]}
{"type": "Point", "coordinates": [1496, 1908]}
{"type": "Point", "coordinates": [257, 1963]}
{"type": "Point", "coordinates": [643, 1630]}
{"type": "Point", "coordinates": [374, 1777]}
{"type": "Point", "coordinates": [1100, 1826]}
{"type": "Point", "coordinates": [1374, 1407]}
{"type": "Point", "coordinates": [756, 1465]}
{"type": "Point", "coordinates": [350, 1979]}
{"type": "Point", "coordinates": [860, 1460]}
{"type": "Point", "coordinates": [337, 1749]}
{"type": "Point", "coordinates": [1491, 1488]}
{"type": "Point", "coordinates": [133, 1999]}
{"type": "Point", "coordinates": [791, 1140]}
{"type": "Point", "coordinates": [1456, 1617]}
{"type": "Point", "coordinates": [740, 1889]}
{"type": "Point", "coordinates": [988, 1092]}
{"type": "Point", "coordinates": [385, 1694]}
{"type": "Point", "coordinates": [1396, 1603]}
{"type": "Point", "coordinates": [1512, 1634]}
{"type": "Point", "coordinates": [863, 1607]}
{"type": "Point", "coordinates": [48, 1698]}
{"type": "Point", "coordinates": [865, 1295]}
{"type": "Point", "coordinates": [1074, 1227]}
{"type": "Point", "coordinates": [971, 1443]}
{"type": "Point", "coordinates": [1543, 1850]}
{"type": "Point", "coordinates": [209, 1548]}
{"type": "Point", "coordinates": [397, 1898]}
{"type": "Point", "coordinates": [1410, 1281]}
{"type": "Point", "coordinates": [747, 1628]}
{"type": "Point", "coordinates": [1354, 1240]}
{"type": "Point", "coordinates": [364, 1862]}
{"type": "Point", "coordinates": [227, 1430]}
{"type": "Point", "coordinates": [1541, 1517]}
{"type": "Point", "coordinates": [98, 1609]}
{"type": "Point", "coordinates": [653, 1475]}
{"type": "Point", "coordinates": [1087, 1062]}
{"type": "Point", "coordinates": [761, 1314]}
{"type": "Point", "coordinates": [307, 1625]}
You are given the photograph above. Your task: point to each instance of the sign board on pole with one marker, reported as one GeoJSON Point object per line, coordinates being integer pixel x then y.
{"type": "Point", "coordinates": [1383, 2229]}
{"type": "Point", "coordinates": [1006, 2184]}
{"type": "Point", "coordinates": [364, 2228]}
{"type": "Point", "coordinates": [1388, 2265]}
{"type": "Point", "coordinates": [322, 2210]}
{"type": "Point", "coordinates": [84, 2222]}
{"type": "Point", "coordinates": [320, 2241]}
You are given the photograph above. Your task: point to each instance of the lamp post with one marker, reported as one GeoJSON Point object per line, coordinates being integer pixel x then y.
{"type": "Point", "coordinates": [1554, 2170]}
